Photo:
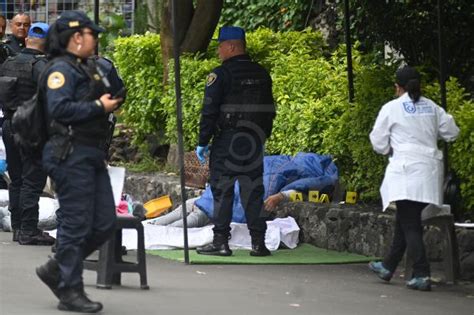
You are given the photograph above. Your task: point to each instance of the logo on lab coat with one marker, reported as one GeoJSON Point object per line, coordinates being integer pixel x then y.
{"type": "Point", "coordinates": [409, 107]}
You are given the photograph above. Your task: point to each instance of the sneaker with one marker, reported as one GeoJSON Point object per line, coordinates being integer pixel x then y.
{"type": "Point", "coordinates": [420, 283]}
{"type": "Point", "coordinates": [37, 237]}
{"type": "Point", "coordinates": [379, 269]}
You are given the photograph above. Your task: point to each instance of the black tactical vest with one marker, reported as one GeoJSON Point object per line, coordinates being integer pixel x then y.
{"type": "Point", "coordinates": [93, 132]}
{"type": "Point", "coordinates": [21, 68]}
{"type": "Point", "coordinates": [250, 97]}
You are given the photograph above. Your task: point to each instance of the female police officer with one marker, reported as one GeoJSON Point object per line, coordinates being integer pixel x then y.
{"type": "Point", "coordinates": [76, 106]}
{"type": "Point", "coordinates": [408, 129]}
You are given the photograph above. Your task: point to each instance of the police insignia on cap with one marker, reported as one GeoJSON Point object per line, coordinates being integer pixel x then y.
{"type": "Point", "coordinates": [74, 24]}
{"type": "Point", "coordinates": [56, 80]}
{"type": "Point", "coordinates": [211, 78]}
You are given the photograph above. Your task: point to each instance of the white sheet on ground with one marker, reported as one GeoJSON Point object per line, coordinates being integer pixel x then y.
{"type": "Point", "coordinates": [163, 237]}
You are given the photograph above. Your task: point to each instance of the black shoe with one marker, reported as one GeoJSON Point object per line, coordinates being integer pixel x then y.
{"type": "Point", "coordinates": [260, 250]}
{"type": "Point", "coordinates": [37, 237]}
{"type": "Point", "coordinates": [75, 300]}
{"type": "Point", "coordinates": [16, 234]}
{"type": "Point", "coordinates": [215, 249]}
{"type": "Point", "coordinates": [49, 274]}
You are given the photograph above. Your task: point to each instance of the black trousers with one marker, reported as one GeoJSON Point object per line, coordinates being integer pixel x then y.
{"type": "Point", "coordinates": [86, 217]}
{"type": "Point", "coordinates": [408, 236]}
{"type": "Point", "coordinates": [27, 182]}
{"type": "Point", "coordinates": [237, 156]}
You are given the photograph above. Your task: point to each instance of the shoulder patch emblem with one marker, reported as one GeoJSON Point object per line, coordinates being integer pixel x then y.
{"type": "Point", "coordinates": [56, 80]}
{"type": "Point", "coordinates": [211, 78]}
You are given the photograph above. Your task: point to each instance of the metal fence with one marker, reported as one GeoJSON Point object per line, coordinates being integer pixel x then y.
{"type": "Point", "coordinates": [48, 10]}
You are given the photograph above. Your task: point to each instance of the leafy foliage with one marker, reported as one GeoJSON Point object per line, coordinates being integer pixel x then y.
{"type": "Point", "coordinates": [310, 88]}
{"type": "Point", "coordinates": [411, 27]}
{"type": "Point", "coordinates": [276, 15]}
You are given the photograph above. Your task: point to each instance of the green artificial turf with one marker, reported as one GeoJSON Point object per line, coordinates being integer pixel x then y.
{"type": "Point", "coordinates": [304, 254]}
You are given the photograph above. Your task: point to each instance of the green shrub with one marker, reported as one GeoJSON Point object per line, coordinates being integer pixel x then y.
{"type": "Point", "coordinates": [138, 59]}
{"type": "Point", "coordinates": [277, 15]}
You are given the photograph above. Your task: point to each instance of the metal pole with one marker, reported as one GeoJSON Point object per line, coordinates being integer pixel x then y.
{"type": "Point", "coordinates": [179, 118]}
{"type": "Point", "coordinates": [96, 21]}
{"type": "Point", "coordinates": [350, 74]}
{"type": "Point", "coordinates": [442, 76]}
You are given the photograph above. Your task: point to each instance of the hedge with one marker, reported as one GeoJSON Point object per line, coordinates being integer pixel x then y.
{"type": "Point", "coordinates": [310, 88]}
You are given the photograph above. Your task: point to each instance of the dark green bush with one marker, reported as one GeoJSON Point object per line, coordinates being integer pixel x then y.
{"type": "Point", "coordinates": [277, 15]}
{"type": "Point", "coordinates": [310, 89]}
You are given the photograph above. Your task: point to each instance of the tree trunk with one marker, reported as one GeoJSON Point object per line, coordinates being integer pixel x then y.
{"type": "Point", "coordinates": [202, 26]}
{"type": "Point", "coordinates": [194, 28]}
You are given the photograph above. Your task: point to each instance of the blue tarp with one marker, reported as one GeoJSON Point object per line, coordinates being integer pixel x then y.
{"type": "Point", "coordinates": [304, 172]}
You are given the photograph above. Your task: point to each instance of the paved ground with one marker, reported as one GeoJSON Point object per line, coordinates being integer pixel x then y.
{"type": "Point", "coordinates": [180, 289]}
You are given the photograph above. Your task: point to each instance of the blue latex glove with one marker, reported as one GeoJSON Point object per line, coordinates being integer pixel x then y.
{"type": "Point", "coordinates": [202, 153]}
{"type": "Point", "coordinates": [3, 166]}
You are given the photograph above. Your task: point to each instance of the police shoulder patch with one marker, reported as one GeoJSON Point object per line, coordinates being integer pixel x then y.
{"type": "Point", "coordinates": [56, 80]}
{"type": "Point", "coordinates": [211, 78]}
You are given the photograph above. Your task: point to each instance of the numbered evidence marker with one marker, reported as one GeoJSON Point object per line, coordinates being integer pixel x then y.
{"type": "Point", "coordinates": [296, 197]}
{"type": "Point", "coordinates": [351, 197]}
{"type": "Point", "coordinates": [313, 196]}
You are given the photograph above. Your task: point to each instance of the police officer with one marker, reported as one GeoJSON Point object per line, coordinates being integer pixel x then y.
{"type": "Point", "coordinates": [24, 168]}
{"type": "Point", "coordinates": [237, 115]}
{"type": "Point", "coordinates": [77, 106]}
{"type": "Point", "coordinates": [15, 42]}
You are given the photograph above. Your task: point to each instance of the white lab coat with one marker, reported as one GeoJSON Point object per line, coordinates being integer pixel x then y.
{"type": "Point", "coordinates": [410, 133]}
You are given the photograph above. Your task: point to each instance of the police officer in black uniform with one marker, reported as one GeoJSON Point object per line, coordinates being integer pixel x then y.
{"type": "Point", "coordinates": [238, 115]}
{"type": "Point", "coordinates": [15, 41]}
{"type": "Point", "coordinates": [19, 77]}
{"type": "Point", "coordinates": [77, 106]}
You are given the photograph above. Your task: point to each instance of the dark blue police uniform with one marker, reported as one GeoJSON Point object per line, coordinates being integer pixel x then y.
{"type": "Point", "coordinates": [25, 170]}
{"type": "Point", "coordinates": [10, 46]}
{"type": "Point", "coordinates": [237, 114]}
{"type": "Point", "coordinates": [74, 157]}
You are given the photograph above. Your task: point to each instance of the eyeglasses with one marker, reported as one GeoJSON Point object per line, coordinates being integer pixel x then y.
{"type": "Point", "coordinates": [93, 34]}
{"type": "Point", "coordinates": [19, 24]}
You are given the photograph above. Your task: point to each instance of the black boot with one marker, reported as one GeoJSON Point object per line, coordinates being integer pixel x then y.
{"type": "Point", "coordinates": [49, 274]}
{"type": "Point", "coordinates": [15, 235]}
{"type": "Point", "coordinates": [37, 237]}
{"type": "Point", "coordinates": [218, 247]}
{"type": "Point", "coordinates": [258, 247]}
{"type": "Point", "coordinates": [75, 300]}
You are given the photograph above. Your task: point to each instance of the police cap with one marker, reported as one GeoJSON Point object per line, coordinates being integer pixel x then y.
{"type": "Point", "coordinates": [231, 33]}
{"type": "Point", "coordinates": [38, 30]}
{"type": "Point", "coordinates": [76, 20]}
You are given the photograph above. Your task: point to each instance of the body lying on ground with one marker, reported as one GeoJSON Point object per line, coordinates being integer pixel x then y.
{"type": "Point", "coordinates": [283, 175]}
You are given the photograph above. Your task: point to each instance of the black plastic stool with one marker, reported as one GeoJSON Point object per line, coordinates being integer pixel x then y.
{"type": "Point", "coordinates": [110, 264]}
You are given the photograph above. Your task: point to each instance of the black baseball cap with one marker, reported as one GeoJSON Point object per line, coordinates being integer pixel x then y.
{"type": "Point", "coordinates": [76, 20]}
{"type": "Point", "coordinates": [405, 74]}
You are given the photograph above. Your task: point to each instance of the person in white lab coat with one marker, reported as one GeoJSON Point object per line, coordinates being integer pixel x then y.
{"type": "Point", "coordinates": [407, 129]}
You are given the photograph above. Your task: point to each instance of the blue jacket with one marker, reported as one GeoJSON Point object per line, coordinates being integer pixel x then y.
{"type": "Point", "coordinates": [304, 172]}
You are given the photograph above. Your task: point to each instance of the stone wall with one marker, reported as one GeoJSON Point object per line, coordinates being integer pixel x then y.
{"type": "Point", "coordinates": [360, 228]}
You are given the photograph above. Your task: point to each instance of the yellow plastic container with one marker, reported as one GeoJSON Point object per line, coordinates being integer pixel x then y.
{"type": "Point", "coordinates": [157, 206]}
